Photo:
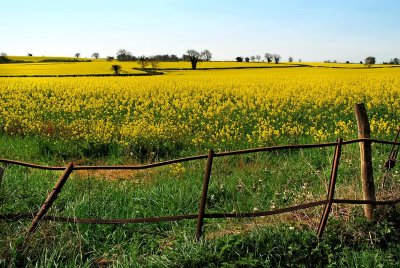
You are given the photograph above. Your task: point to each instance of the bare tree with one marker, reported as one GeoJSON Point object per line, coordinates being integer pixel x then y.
{"type": "Point", "coordinates": [143, 62]}
{"type": "Point", "coordinates": [269, 57]}
{"type": "Point", "coordinates": [96, 55]}
{"type": "Point", "coordinates": [258, 58]}
{"type": "Point", "coordinates": [252, 58]}
{"type": "Point", "coordinates": [290, 59]}
{"type": "Point", "coordinates": [77, 55]}
{"type": "Point", "coordinates": [194, 57]}
{"type": "Point", "coordinates": [116, 69]}
{"type": "Point", "coordinates": [3, 54]}
{"type": "Point", "coordinates": [206, 55]}
{"type": "Point", "coordinates": [154, 62]}
{"type": "Point", "coordinates": [277, 58]}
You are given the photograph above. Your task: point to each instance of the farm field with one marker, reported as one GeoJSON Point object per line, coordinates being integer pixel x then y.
{"type": "Point", "coordinates": [63, 68]}
{"type": "Point", "coordinates": [35, 59]}
{"type": "Point", "coordinates": [40, 66]}
{"type": "Point", "coordinates": [195, 110]}
{"type": "Point", "coordinates": [130, 120]}
{"type": "Point", "coordinates": [226, 134]}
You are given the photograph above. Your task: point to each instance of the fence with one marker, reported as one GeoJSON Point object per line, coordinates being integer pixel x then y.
{"type": "Point", "coordinates": [201, 215]}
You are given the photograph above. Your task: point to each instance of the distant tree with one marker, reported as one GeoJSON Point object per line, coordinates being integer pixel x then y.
{"type": "Point", "coordinates": [247, 59]}
{"type": "Point", "coordinates": [239, 59]}
{"type": "Point", "coordinates": [173, 57]}
{"type": "Point", "coordinates": [116, 69]}
{"type": "Point", "coordinates": [258, 58]}
{"type": "Point", "coordinates": [96, 55]}
{"type": "Point", "coordinates": [154, 62]}
{"type": "Point", "coordinates": [185, 57]}
{"type": "Point", "coordinates": [370, 61]}
{"type": "Point", "coordinates": [347, 62]}
{"type": "Point", "coordinates": [206, 55]}
{"type": "Point", "coordinates": [124, 55]}
{"type": "Point", "coordinates": [253, 58]}
{"type": "Point", "coordinates": [394, 61]}
{"type": "Point", "coordinates": [3, 54]}
{"type": "Point", "coordinates": [299, 60]}
{"type": "Point", "coordinates": [77, 55]}
{"type": "Point", "coordinates": [268, 57]}
{"type": "Point", "coordinates": [4, 59]}
{"type": "Point", "coordinates": [30, 55]}
{"type": "Point", "coordinates": [194, 57]}
{"type": "Point", "coordinates": [277, 58]}
{"type": "Point", "coordinates": [167, 57]}
{"type": "Point", "coordinates": [143, 62]}
{"type": "Point", "coordinates": [110, 58]}
{"type": "Point", "coordinates": [361, 62]}
{"type": "Point", "coordinates": [290, 59]}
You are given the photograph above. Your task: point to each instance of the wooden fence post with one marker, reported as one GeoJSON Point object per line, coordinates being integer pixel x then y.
{"type": "Point", "coordinates": [202, 206]}
{"type": "Point", "coordinates": [50, 198]}
{"type": "Point", "coordinates": [367, 177]}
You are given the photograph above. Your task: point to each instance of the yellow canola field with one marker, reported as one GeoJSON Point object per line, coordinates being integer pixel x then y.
{"type": "Point", "coordinates": [102, 67]}
{"type": "Point", "coordinates": [65, 68]}
{"type": "Point", "coordinates": [220, 109]}
{"type": "Point", "coordinates": [41, 58]}
{"type": "Point", "coordinates": [222, 64]}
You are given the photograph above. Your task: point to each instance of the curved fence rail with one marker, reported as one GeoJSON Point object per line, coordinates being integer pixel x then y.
{"type": "Point", "coordinates": [197, 157]}
{"type": "Point", "coordinates": [41, 214]}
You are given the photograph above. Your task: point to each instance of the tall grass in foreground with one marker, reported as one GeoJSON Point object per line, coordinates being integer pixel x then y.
{"type": "Point", "coordinates": [259, 181]}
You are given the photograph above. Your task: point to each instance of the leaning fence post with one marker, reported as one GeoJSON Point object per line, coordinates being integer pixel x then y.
{"type": "Point", "coordinates": [202, 206]}
{"type": "Point", "coordinates": [50, 198]}
{"type": "Point", "coordinates": [367, 176]}
{"type": "Point", "coordinates": [331, 189]}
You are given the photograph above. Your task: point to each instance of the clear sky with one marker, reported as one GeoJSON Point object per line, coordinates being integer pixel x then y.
{"type": "Point", "coordinates": [311, 30]}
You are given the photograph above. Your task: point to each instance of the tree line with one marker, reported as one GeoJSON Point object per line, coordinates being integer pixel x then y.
{"type": "Point", "coordinates": [269, 57]}
{"type": "Point", "coordinates": [372, 60]}
{"type": "Point", "coordinates": [194, 57]}
{"type": "Point", "coordinates": [191, 55]}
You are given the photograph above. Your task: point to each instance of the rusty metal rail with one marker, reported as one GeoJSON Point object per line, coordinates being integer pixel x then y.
{"type": "Point", "coordinates": [197, 157]}
{"type": "Point", "coordinates": [51, 198]}
{"type": "Point", "coordinates": [203, 200]}
{"type": "Point", "coordinates": [24, 216]}
{"type": "Point", "coordinates": [41, 214]}
{"type": "Point", "coordinates": [331, 189]}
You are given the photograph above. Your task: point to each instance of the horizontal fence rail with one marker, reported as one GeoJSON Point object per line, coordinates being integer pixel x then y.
{"type": "Point", "coordinates": [24, 216]}
{"type": "Point", "coordinates": [197, 157]}
{"type": "Point", "coordinates": [41, 214]}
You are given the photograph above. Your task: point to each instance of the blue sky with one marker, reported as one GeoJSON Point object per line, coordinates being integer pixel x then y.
{"type": "Point", "coordinates": [310, 30]}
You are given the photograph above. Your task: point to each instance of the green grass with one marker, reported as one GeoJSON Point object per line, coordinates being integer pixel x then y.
{"type": "Point", "coordinates": [239, 183]}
